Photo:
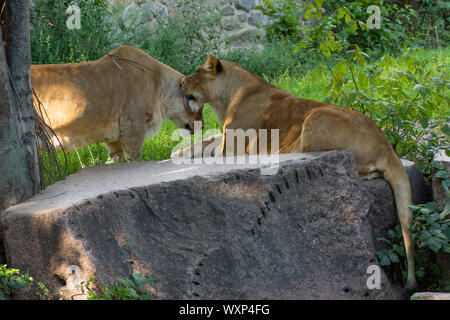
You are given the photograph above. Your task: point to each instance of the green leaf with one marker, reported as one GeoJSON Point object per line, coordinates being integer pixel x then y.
{"type": "Point", "coordinates": [446, 130]}
{"type": "Point", "coordinates": [421, 89]}
{"type": "Point", "coordinates": [442, 174]}
{"type": "Point", "coordinates": [318, 3]}
{"type": "Point", "coordinates": [391, 234]}
{"type": "Point", "coordinates": [424, 122]}
{"type": "Point", "coordinates": [383, 239]}
{"type": "Point", "coordinates": [414, 208]}
{"type": "Point", "coordinates": [348, 18]}
{"type": "Point", "coordinates": [445, 212]}
{"type": "Point", "coordinates": [393, 257]}
{"type": "Point", "coordinates": [433, 244]}
{"type": "Point", "coordinates": [385, 261]}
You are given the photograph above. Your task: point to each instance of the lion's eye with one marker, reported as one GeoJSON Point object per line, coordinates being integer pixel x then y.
{"type": "Point", "coordinates": [191, 97]}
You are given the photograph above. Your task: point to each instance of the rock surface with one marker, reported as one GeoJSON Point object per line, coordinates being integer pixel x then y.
{"type": "Point", "coordinates": [431, 296]}
{"type": "Point", "coordinates": [209, 231]}
{"type": "Point", "coordinates": [232, 15]}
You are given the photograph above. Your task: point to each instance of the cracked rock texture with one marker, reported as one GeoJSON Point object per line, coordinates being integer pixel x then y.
{"type": "Point", "coordinates": [209, 231]}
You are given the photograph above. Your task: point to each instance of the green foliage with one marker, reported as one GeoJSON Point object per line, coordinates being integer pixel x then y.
{"type": "Point", "coordinates": [261, 61]}
{"type": "Point", "coordinates": [11, 279]}
{"type": "Point", "coordinates": [431, 24]}
{"type": "Point", "coordinates": [394, 250]}
{"type": "Point", "coordinates": [431, 229]}
{"type": "Point", "coordinates": [442, 173]}
{"type": "Point", "coordinates": [133, 288]}
{"type": "Point", "coordinates": [396, 30]}
{"type": "Point", "coordinates": [44, 292]}
{"type": "Point", "coordinates": [50, 45]}
{"type": "Point", "coordinates": [285, 15]}
{"type": "Point", "coordinates": [394, 255]}
{"type": "Point", "coordinates": [342, 23]}
{"type": "Point", "coordinates": [409, 102]}
{"type": "Point", "coordinates": [430, 233]}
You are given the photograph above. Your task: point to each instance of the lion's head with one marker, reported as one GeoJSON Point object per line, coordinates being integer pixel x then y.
{"type": "Point", "coordinates": [204, 83]}
{"type": "Point", "coordinates": [184, 111]}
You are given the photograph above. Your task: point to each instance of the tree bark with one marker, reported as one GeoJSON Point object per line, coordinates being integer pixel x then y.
{"type": "Point", "coordinates": [19, 158]}
{"type": "Point", "coordinates": [18, 55]}
{"type": "Point", "coordinates": [20, 177]}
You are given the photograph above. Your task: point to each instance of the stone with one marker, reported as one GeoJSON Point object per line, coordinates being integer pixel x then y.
{"type": "Point", "coordinates": [383, 203]}
{"type": "Point", "coordinates": [440, 196]}
{"type": "Point", "coordinates": [242, 16]}
{"type": "Point", "coordinates": [243, 36]}
{"type": "Point", "coordinates": [246, 5]}
{"type": "Point", "coordinates": [230, 23]}
{"type": "Point", "coordinates": [421, 189]}
{"type": "Point", "coordinates": [206, 231]}
{"type": "Point", "coordinates": [431, 296]}
{"type": "Point", "coordinates": [256, 19]}
{"type": "Point", "coordinates": [228, 11]}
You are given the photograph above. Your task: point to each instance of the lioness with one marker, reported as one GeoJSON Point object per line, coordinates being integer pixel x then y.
{"type": "Point", "coordinates": [118, 99]}
{"type": "Point", "coordinates": [244, 101]}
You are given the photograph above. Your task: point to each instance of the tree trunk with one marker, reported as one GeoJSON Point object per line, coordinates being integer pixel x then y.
{"type": "Point", "coordinates": [19, 158]}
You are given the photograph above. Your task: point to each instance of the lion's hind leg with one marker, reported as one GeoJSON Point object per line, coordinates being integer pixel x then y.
{"type": "Point", "coordinates": [331, 129]}
{"type": "Point", "coordinates": [372, 175]}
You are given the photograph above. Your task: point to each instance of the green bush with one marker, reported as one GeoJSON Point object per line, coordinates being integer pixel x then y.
{"type": "Point", "coordinates": [133, 288]}
{"type": "Point", "coordinates": [273, 59]}
{"type": "Point", "coordinates": [430, 233]}
{"type": "Point", "coordinates": [401, 25]}
{"type": "Point", "coordinates": [11, 279]}
{"type": "Point", "coordinates": [51, 45]}
{"type": "Point", "coordinates": [409, 102]}
{"type": "Point", "coordinates": [431, 24]}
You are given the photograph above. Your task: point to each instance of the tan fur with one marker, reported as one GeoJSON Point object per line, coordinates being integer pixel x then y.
{"type": "Point", "coordinates": [115, 102]}
{"type": "Point", "coordinates": [242, 100]}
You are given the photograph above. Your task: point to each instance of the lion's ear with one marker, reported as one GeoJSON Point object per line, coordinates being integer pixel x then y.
{"type": "Point", "coordinates": [213, 65]}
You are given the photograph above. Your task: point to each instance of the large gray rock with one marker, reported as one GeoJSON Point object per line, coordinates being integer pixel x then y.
{"type": "Point", "coordinates": [256, 19]}
{"type": "Point", "coordinates": [208, 232]}
{"type": "Point", "coordinates": [228, 11]}
{"type": "Point", "coordinates": [230, 23]}
{"type": "Point", "coordinates": [246, 5]}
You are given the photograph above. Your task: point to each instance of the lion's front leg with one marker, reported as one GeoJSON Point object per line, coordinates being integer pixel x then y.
{"type": "Point", "coordinates": [117, 154]}
{"type": "Point", "coordinates": [202, 149]}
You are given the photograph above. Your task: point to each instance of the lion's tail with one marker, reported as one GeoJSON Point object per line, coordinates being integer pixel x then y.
{"type": "Point", "coordinates": [396, 175]}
